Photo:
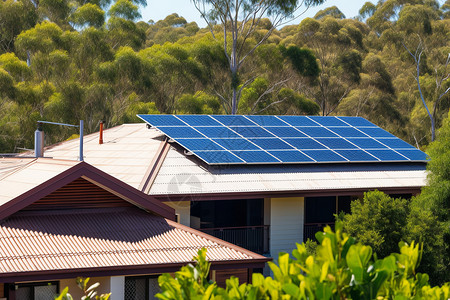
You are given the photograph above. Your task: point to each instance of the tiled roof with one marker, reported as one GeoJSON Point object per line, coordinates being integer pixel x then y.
{"type": "Point", "coordinates": [102, 238]}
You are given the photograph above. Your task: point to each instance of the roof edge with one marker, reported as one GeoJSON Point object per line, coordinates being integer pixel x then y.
{"type": "Point", "coordinates": [124, 270]}
{"type": "Point", "coordinates": [96, 176]}
{"type": "Point", "coordinates": [254, 255]}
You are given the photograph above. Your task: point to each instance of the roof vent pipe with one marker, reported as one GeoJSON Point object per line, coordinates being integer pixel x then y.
{"type": "Point", "coordinates": [100, 140]}
{"type": "Point", "coordinates": [39, 141]}
{"type": "Point", "coordinates": [81, 140]}
{"type": "Point", "coordinates": [39, 138]}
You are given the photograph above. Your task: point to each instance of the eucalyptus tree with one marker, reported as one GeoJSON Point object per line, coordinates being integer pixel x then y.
{"type": "Point", "coordinates": [240, 20]}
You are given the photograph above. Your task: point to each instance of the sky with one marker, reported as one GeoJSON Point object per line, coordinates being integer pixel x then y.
{"type": "Point", "coordinates": [158, 10]}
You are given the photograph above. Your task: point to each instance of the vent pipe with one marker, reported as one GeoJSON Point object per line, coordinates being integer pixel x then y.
{"type": "Point", "coordinates": [39, 141]}
{"type": "Point", "coordinates": [81, 140]}
{"type": "Point", "coordinates": [100, 140]}
{"type": "Point", "coordinates": [39, 137]}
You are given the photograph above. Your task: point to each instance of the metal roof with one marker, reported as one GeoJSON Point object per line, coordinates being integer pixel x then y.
{"type": "Point", "coordinates": [29, 182]}
{"type": "Point", "coordinates": [102, 238]}
{"type": "Point", "coordinates": [128, 152]}
{"type": "Point", "coordinates": [23, 174]}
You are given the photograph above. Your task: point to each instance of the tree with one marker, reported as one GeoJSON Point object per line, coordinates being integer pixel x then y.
{"type": "Point", "coordinates": [240, 20]}
{"type": "Point", "coordinates": [442, 86]}
{"type": "Point", "coordinates": [340, 269]}
{"type": "Point", "coordinates": [430, 211]}
{"type": "Point", "coordinates": [377, 221]}
{"type": "Point", "coordinates": [338, 46]}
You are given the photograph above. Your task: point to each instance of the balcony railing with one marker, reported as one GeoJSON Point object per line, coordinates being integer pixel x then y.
{"type": "Point", "coordinates": [253, 238]}
{"type": "Point", "coordinates": [310, 229]}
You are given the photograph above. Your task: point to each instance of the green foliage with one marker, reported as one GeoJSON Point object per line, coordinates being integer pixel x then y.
{"type": "Point", "coordinates": [88, 15]}
{"type": "Point", "coordinates": [430, 213]}
{"type": "Point", "coordinates": [378, 221]}
{"type": "Point", "coordinates": [89, 292]}
{"type": "Point", "coordinates": [329, 66]}
{"type": "Point", "coordinates": [332, 11]}
{"type": "Point", "coordinates": [339, 269]}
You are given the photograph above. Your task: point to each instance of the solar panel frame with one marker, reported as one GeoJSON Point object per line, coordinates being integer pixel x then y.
{"type": "Point", "coordinates": [221, 136]}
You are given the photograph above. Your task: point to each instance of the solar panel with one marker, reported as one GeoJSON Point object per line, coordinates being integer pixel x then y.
{"type": "Point", "coordinates": [225, 139]}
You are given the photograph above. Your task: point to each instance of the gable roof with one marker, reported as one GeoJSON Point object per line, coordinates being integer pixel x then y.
{"type": "Point", "coordinates": [38, 178]}
{"type": "Point", "coordinates": [129, 153]}
{"type": "Point", "coordinates": [96, 242]}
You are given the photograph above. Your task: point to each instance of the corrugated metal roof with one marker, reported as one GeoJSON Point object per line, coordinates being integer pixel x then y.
{"type": "Point", "coordinates": [129, 149]}
{"type": "Point", "coordinates": [28, 174]}
{"type": "Point", "coordinates": [180, 175]}
{"type": "Point", "coordinates": [100, 238]}
{"type": "Point", "coordinates": [126, 153]}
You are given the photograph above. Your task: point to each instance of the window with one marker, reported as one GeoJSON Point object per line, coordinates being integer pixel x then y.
{"type": "Point", "coordinates": [36, 290]}
{"type": "Point", "coordinates": [141, 288]}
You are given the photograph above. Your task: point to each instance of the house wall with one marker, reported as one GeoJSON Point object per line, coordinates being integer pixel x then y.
{"type": "Point", "coordinates": [286, 224]}
{"type": "Point", "coordinates": [183, 210]}
{"type": "Point", "coordinates": [113, 285]}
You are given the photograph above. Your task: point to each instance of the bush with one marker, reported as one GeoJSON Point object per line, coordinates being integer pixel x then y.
{"type": "Point", "coordinates": [340, 269]}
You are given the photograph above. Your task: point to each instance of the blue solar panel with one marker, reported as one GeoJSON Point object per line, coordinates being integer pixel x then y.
{"type": "Point", "coordinates": [252, 131]}
{"type": "Point", "coordinates": [180, 132]}
{"type": "Point", "coordinates": [347, 132]}
{"type": "Point", "coordinates": [298, 121]}
{"type": "Point", "coordinates": [199, 120]}
{"type": "Point", "coordinates": [305, 143]}
{"type": "Point", "coordinates": [199, 144]}
{"type": "Point", "coordinates": [271, 144]}
{"type": "Point", "coordinates": [236, 144]}
{"type": "Point", "coordinates": [336, 143]}
{"type": "Point", "coordinates": [217, 132]}
{"type": "Point", "coordinates": [223, 139]}
{"type": "Point", "coordinates": [291, 156]}
{"type": "Point", "coordinates": [396, 143]}
{"type": "Point", "coordinates": [317, 132]}
{"type": "Point", "coordinates": [218, 157]}
{"type": "Point", "coordinates": [256, 156]}
{"type": "Point", "coordinates": [328, 121]}
{"type": "Point", "coordinates": [376, 132]}
{"type": "Point", "coordinates": [367, 143]}
{"type": "Point", "coordinates": [285, 132]}
{"type": "Point", "coordinates": [324, 156]}
{"type": "Point", "coordinates": [234, 121]}
{"type": "Point", "coordinates": [356, 155]}
{"type": "Point", "coordinates": [267, 121]}
{"type": "Point", "coordinates": [162, 120]}
{"type": "Point", "coordinates": [414, 154]}
{"type": "Point", "coordinates": [357, 121]}
{"type": "Point", "coordinates": [386, 155]}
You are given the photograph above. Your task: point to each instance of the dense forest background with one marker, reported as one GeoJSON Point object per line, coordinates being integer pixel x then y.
{"type": "Point", "coordinates": [66, 60]}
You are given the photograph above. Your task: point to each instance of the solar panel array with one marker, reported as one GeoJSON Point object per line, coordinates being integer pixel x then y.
{"type": "Point", "coordinates": [225, 139]}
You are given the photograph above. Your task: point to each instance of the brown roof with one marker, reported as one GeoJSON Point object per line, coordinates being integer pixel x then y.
{"type": "Point", "coordinates": [82, 241]}
{"type": "Point", "coordinates": [28, 183]}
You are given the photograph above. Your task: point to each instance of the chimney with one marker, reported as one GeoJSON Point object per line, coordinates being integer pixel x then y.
{"type": "Point", "coordinates": [100, 141]}
{"type": "Point", "coordinates": [39, 141]}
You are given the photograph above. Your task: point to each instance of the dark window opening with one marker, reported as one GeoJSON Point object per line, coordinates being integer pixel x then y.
{"type": "Point", "coordinates": [321, 211]}
{"type": "Point", "coordinates": [32, 290]}
{"type": "Point", "coordinates": [240, 222]}
{"type": "Point", "coordinates": [228, 213]}
{"type": "Point", "coordinates": [141, 288]}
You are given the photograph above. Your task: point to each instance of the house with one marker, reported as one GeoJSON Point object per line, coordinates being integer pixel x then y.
{"type": "Point", "coordinates": [264, 207]}
{"type": "Point", "coordinates": [60, 219]}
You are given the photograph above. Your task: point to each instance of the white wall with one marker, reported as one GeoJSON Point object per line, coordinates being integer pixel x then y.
{"type": "Point", "coordinates": [183, 209]}
{"type": "Point", "coordinates": [286, 224]}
